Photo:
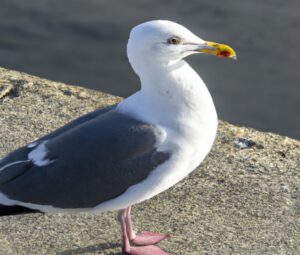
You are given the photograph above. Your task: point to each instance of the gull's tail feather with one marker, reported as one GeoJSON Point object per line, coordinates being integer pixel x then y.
{"type": "Point", "coordinates": [14, 210]}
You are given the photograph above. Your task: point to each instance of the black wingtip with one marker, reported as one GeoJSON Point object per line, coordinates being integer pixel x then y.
{"type": "Point", "coordinates": [15, 210]}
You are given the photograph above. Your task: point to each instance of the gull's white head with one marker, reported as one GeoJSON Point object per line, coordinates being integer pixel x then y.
{"type": "Point", "coordinates": [162, 43]}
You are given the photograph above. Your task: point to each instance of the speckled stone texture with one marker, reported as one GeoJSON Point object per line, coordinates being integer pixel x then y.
{"type": "Point", "coordinates": [239, 201]}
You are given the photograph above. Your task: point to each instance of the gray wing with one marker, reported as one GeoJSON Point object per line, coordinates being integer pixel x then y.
{"type": "Point", "coordinates": [91, 163]}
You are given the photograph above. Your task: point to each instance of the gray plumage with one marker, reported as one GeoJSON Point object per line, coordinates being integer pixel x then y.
{"type": "Point", "coordinates": [91, 160]}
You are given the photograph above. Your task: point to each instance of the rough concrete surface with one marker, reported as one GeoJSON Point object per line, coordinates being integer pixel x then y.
{"type": "Point", "coordinates": [239, 201]}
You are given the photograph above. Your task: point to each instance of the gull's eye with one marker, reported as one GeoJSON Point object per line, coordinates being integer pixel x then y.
{"type": "Point", "coordinates": [174, 40]}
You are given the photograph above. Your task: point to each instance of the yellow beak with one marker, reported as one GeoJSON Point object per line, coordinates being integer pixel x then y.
{"type": "Point", "coordinates": [220, 50]}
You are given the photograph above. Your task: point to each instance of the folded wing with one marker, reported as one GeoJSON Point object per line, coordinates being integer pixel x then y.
{"type": "Point", "coordinates": [85, 165]}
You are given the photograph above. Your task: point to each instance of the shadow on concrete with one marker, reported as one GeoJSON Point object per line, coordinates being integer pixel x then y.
{"type": "Point", "coordinates": [93, 248]}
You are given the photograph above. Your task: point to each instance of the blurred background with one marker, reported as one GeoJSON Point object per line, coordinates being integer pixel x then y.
{"type": "Point", "coordinates": [84, 43]}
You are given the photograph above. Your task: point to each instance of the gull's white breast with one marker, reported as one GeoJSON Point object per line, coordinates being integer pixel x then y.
{"type": "Point", "coordinates": [183, 108]}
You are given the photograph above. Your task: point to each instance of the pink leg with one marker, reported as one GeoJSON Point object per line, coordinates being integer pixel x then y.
{"type": "Point", "coordinates": [125, 240]}
{"type": "Point", "coordinates": [144, 238]}
{"type": "Point", "coordinates": [142, 250]}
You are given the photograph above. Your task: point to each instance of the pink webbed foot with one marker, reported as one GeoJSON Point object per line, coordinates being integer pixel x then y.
{"type": "Point", "coordinates": [146, 250]}
{"type": "Point", "coordinates": [148, 238]}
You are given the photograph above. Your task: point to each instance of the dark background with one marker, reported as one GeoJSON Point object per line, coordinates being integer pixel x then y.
{"type": "Point", "coordinates": [83, 42]}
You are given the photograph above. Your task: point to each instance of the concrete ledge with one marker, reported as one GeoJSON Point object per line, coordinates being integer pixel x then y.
{"type": "Point", "coordinates": [239, 201]}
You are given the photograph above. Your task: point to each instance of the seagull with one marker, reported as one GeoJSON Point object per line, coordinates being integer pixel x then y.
{"type": "Point", "coordinates": [115, 157]}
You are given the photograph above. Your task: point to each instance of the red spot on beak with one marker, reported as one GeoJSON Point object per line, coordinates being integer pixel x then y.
{"type": "Point", "coordinates": [224, 54]}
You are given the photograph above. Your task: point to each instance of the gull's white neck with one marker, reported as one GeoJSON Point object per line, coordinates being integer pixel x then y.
{"type": "Point", "coordinates": [172, 96]}
{"type": "Point", "coordinates": [175, 99]}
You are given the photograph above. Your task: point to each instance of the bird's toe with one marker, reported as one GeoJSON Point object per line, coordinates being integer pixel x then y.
{"type": "Point", "coordinates": [149, 238]}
